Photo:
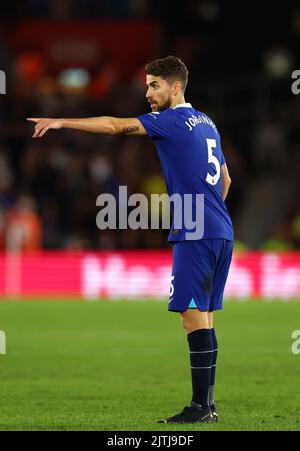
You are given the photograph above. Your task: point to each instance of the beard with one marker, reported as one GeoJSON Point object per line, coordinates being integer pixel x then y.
{"type": "Point", "coordinates": [167, 103]}
{"type": "Point", "coordinates": [164, 105]}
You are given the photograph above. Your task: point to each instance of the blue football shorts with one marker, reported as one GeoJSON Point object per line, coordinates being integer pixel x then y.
{"type": "Point", "coordinates": [200, 270]}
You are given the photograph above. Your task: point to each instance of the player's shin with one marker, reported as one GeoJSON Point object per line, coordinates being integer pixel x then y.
{"type": "Point", "coordinates": [201, 347]}
{"type": "Point", "coordinates": [213, 369]}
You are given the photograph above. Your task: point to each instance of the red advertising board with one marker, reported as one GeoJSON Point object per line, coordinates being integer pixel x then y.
{"type": "Point", "coordinates": [139, 274]}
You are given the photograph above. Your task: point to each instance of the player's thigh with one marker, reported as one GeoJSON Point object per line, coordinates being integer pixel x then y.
{"type": "Point", "coordinates": [192, 275]}
{"type": "Point", "coordinates": [221, 275]}
{"type": "Point", "coordinates": [194, 319]}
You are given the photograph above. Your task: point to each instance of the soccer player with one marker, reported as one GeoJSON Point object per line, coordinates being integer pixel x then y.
{"type": "Point", "coordinates": [192, 161]}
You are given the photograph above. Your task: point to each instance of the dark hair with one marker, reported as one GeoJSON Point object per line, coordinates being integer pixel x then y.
{"type": "Point", "coordinates": [169, 68]}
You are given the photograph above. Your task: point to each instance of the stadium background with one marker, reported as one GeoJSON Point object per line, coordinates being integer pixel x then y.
{"type": "Point", "coordinates": [75, 58]}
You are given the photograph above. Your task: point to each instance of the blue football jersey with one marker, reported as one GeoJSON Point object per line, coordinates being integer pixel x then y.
{"type": "Point", "coordinates": [189, 149]}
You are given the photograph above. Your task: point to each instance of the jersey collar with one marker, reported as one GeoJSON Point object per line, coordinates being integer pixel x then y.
{"type": "Point", "coordinates": [183, 105]}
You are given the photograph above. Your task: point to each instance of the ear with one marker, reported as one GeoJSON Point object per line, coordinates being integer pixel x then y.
{"type": "Point", "coordinates": [176, 88]}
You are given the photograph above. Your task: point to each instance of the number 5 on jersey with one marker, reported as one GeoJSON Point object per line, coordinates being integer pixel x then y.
{"type": "Point", "coordinates": [171, 288]}
{"type": "Point", "coordinates": [213, 179]}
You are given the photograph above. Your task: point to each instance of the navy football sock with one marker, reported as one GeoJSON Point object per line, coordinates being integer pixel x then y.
{"type": "Point", "coordinates": [201, 346]}
{"type": "Point", "coordinates": [213, 368]}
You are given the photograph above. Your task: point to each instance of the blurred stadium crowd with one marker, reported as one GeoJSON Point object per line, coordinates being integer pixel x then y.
{"type": "Point", "coordinates": [239, 74]}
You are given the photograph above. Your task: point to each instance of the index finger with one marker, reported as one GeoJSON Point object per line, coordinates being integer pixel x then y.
{"type": "Point", "coordinates": [33, 119]}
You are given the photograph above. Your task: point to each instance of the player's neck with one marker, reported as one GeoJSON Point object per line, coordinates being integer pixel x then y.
{"type": "Point", "coordinates": [178, 101]}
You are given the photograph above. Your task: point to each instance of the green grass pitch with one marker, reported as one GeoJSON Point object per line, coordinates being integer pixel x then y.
{"type": "Point", "coordinates": [123, 365]}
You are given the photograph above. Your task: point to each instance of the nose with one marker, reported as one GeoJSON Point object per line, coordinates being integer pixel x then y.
{"type": "Point", "coordinates": [148, 93]}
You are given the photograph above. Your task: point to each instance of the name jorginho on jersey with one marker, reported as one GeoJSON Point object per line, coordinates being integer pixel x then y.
{"type": "Point", "coordinates": [201, 119]}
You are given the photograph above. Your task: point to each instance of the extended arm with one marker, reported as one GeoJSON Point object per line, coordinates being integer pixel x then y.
{"type": "Point", "coordinates": [105, 125]}
{"type": "Point", "coordinates": [226, 181]}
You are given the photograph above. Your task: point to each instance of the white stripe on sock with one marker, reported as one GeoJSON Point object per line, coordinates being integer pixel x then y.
{"type": "Point", "coordinates": [202, 352]}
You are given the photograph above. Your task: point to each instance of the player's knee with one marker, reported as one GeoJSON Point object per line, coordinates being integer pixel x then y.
{"type": "Point", "coordinates": [191, 324]}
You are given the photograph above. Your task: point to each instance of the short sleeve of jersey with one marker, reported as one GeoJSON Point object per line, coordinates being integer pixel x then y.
{"type": "Point", "coordinates": [223, 161]}
{"type": "Point", "coordinates": [158, 125]}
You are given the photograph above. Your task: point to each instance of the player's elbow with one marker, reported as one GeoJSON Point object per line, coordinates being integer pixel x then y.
{"type": "Point", "coordinates": [228, 184]}
{"type": "Point", "coordinates": [116, 129]}
{"type": "Point", "coordinates": [113, 129]}
{"type": "Point", "coordinates": [109, 126]}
